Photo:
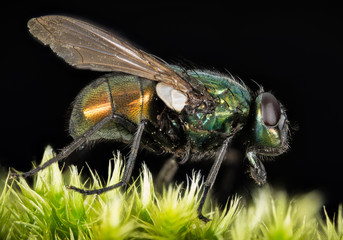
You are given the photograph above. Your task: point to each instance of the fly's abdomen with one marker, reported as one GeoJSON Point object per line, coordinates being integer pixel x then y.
{"type": "Point", "coordinates": [130, 97]}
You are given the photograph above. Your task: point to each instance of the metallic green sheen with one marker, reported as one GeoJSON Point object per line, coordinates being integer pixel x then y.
{"type": "Point", "coordinates": [232, 106]}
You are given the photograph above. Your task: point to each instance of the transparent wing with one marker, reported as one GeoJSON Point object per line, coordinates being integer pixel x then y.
{"type": "Point", "coordinates": [86, 46]}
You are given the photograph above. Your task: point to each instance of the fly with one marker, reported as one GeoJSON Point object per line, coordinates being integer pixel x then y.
{"type": "Point", "coordinates": [192, 114]}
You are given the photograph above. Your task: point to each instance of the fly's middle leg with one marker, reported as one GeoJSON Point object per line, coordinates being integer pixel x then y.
{"type": "Point", "coordinates": [128, 167]}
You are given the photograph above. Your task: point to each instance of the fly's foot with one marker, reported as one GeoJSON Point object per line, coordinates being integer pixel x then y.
{"type": "Point", "coordinates": [14, 175]}
{"type": "Point", "coordinates": [203, 218]}
{"type": "Point", "coordinates": [80, 190]}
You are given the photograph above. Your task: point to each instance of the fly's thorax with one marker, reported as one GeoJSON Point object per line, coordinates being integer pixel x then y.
{"type": "Point", "coordinates": [130, 97]}
{"type": "Point", "coordinates": [230, 112]}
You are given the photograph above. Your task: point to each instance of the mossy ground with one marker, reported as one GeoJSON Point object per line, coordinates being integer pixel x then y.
{"type": "Point", "coordinates": [48, 210]}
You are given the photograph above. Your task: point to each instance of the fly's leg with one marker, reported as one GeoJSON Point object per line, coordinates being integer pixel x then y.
{"type": "Point", "coordinates": [77, 143]}
{"type": "Point", "coordinates": [66, 151]}
{"type": "Point", "coordinates": [212, 177]}
{"type": "Point", "coordinates": [170, 167]}
{"type": "Point", "coordinates": [167, 173]}
{"type": "Point", "coordinates": [257, 170]}
{"type": "Point", "coordinates": [128, 167]}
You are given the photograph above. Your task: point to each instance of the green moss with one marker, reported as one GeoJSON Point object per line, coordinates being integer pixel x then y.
{"type": "Point", "coordinates": [48, 210]}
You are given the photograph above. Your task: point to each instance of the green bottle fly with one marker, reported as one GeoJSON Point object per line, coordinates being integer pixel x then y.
{"type": "Point", "coordinates": [191, 113]}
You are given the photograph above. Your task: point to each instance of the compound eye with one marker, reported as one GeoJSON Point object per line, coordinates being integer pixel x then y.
{"type": "Point", "coordinates": [271, 111]}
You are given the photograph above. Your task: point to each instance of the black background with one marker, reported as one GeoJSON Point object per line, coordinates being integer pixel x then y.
{"type": "Point", "coordinates": [293, 51]}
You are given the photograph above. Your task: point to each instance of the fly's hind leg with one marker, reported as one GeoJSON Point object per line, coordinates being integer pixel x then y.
{"type": "Point", "coordinates": [128, 167]}
{"type": "Point", "coordinates": [66, 151]}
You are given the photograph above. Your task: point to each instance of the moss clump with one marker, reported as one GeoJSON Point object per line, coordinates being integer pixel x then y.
{"type": "Point", "coordinates": [49, 211]}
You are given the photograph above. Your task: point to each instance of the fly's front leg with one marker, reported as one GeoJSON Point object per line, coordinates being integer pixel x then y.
{"type": "Point", "coordinates": [257, 170]}
{"type": "Point", "coordinates": [212, 177]}
{"type": "Point", "coordinates": [128, 167]}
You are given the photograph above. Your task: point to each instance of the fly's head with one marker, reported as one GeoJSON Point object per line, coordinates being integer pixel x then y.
{"type": "Point", "coordinates": [269, 136]}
